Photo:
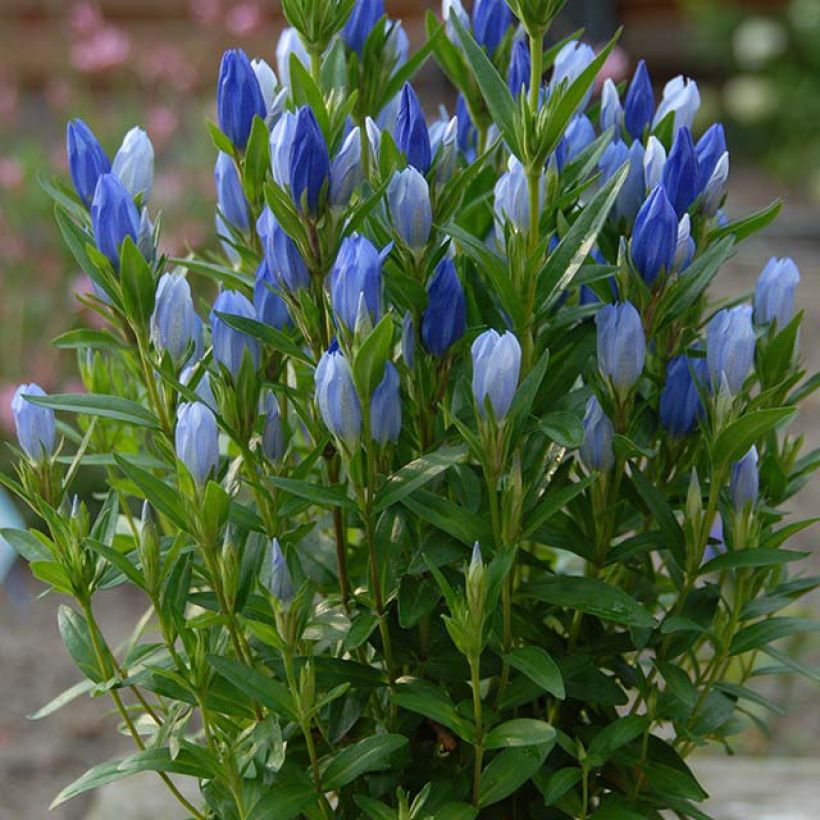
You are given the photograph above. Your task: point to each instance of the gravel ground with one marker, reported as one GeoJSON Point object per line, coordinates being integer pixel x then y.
{"type": "Point", "coordinates": [38, 758]}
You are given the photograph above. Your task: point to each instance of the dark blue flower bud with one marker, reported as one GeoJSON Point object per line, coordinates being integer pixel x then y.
{"type": "Point", "coordinates": [655, 236]}
{"type": "Point", "coordinates": [337, 398]}
{"type": "Point", "coordinates": [411, 133]}
{"type": "Point", "coordinates": [229, 345]}
{"type": "Point", "coordinates": [281, 583]}
{"type": "Point", "coordinates": [86, 159]}
{"type": "Point", "coordinates": [385, 408]}
{"type": "Point", "coordinates": [113, 217]}
{"type": "Point", "coordinates": [229, 194]}
{"type": "Point", "coordinates": [273, 434]}
{"type": "Point", "coordinates": [730, 347]}
{"type": "Point", "coordinates": [680, 404]}
{"type": "Point", "coordinates": [496, 367]}
{"type": "Point", "coordinates": [639, 106]}
{"type": "Point", "coordinates": [268, 303]}
{"type": "Point", "coordinates": [134, 164]}
{"type": "Point", "coordinates": [309, 162]}
{"type": "Point", "coordinates": [467, 133]}
{"type": "Point", "coordinates": [356, 273]}
{"type": "Point", "coordinates": [745, 480]}
{"type": "Point", "coordinates": [774, 294]}
{"type": "Point", "coordinates": [597, 451]}
{"type": "Point", "coordinates": [197, 440]}
{"type": "Point", "coordinates": [174, 320]}
{"type": "Point", "coordinates": [680, 174]}
{"type": "Point", "coordinates": [445, 319]}
{"type": "Point", "coordinates": [621, 344]}
{"type": "Point", "coordinates": [365, 15]}
{"type": "Point", "coordinates": [238, 97]}
{"type": "Point", "coordinates": [491, 20]}
{"type": "Point", "coordinates": [35, 425]}
{"type": "Point", "coordinates": [518, 74]}
{"type": "Point", "coordinates": [281, 254]}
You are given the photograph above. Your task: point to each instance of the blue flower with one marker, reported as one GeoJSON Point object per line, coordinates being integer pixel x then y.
{"type": "Point", "coordinates": [134, 164]}
{"type": "Point", "coordinates": [36, 426]}
{"type": "Point", "coordinates": [408, 196]}
{"type": "Point", "coordinates": [174, 320]}
{"type": "Point", "coordinates": [597, 451]}
{"type": "Point", "coordinates": [710, 148]}
{"type": "Point", "coordinates": [745, 480]}
{"type": "Point", "coordinates": [356, 276]}
{"type": "Point", "coordinates": [685, 251]}
{"type": "Point", "coordinates": [238, 97]}
{"type": "Point", "coordinates": [412, 136]}
{"type": "Point", "coordinates": [281, 583]}
{"type": "Point", "coordinates": [336, 396]}
{"type": "Point", "coordinates": [273, 434]}
{"type": "Point", "coordinates": [612, 112]}
{"type": "Point", "coordinates": [290, 43]}
{"type": "Point", "coordinates": [640, 102]}
{"type": "Point", "coordinates": [444, 146]}
{"type": "Point", "coordinates": [281, 145]}
{"type": "Point", "coordinates": [654, 161]}
{"type": "Point", "coordinates": [385, 408]}
{"type": "Point", "coordinates": [269, 86]}
{"type": "Point", "coordinates": [267, 302]}
{"type": "Point", "coordinates": [680, 403]}
{"type": "Point", "coordinates": [512, 202]}
{"type": "Point", "coordinates": [621, 344]}
{"type": "Point", "coordinates": [631, 194]}
{"type": "Point", "coordinates": [229, 194]}
{"type": "Point", "coordinates": [113, 217]}
{"type": "Point", "coordinates": [365, 15]}
{"type": "Point", "coordinates": [281, 254]}
{"type": "Point", "coordinates": [445, 318]}
{"type": "Point", "coordinates": [680, 98]}
{"type": "Point", "coordinates": [570, 63]}
{"type": "Point", "coordinates": [774, 294]}
{"type": "Point", "coordinates": [87, 160]}
{"type": "Point", "coordinates": [655, 236]}
{"type": "Point", "coordinates": [518, 74]}
{"type": "Point", "coordinates": [449, 7]}
{"type": "Point", "coordinates": [491, 21]}
{"type": "Point", "coordinates": [229, 345]}
{"type": "Point", "coordinates": [309, 162]}
{"type": "Point", "coordinates": [680, 174]}
{"type": "Point", "coordinates": [346, 170]}
{"type": "Point", "coordinates": [730, 347]}
{"type": "Point", "coordinates": [197, 440]}
{"type": "Point", "coordinates": [496, 367]}
{"type": "Point", "coordinates": [578, 136]}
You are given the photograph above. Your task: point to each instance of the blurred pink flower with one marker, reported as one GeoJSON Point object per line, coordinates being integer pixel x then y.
{"type": "Point", "coordinates": [11, 173]}
{"type": "Point", "coordinates": [9, 96]}
{"type": "Point", "coordinates": [166, 64]}
{"type": "Point", "coordinates": [205, 12]}
{"type": "Point", "coordinates": [615, 68]}
{"type": "Point", "coordinates": [244, 18]}
{"type": "Point", "coordinates": [104, 49]}
{"type": "Point", "coordinates": [6, 416]}
{"type": "Point", "coordinates": [163, 121]}
{"type": "Point", "coordinates": [58, 92]}
{"type": "Point", "coordinates": [84, 19]}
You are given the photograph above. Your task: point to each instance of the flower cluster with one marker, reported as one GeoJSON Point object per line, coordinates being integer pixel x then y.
{"type": "Point", "coordinates": [460, 386]}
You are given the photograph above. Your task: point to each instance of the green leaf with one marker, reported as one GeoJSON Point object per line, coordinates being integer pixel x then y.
{"type": "Point", "coordinates": [255, 685]}
{"type": "Point", "coordinates": [63, 699]}
{"type": "Point", "coordinates": [25, 544]}
{"type": "Point", "coordinates": [220, 140]}
{"type": "Point", "coordinates": [462, 524]}
{"type": "Point", "coordinates": [743, 228]}
{"type": "Point", "coordinates": [97, 404]}
{"type": "Point", "coordinates": [563, 428]}
{"type": "Point", "coordinates": [539, 667]}
{"type": "Point", "coordinates": [658, 506]}
{"type": "Point", "coordinates": [369, 363]}
{"type": "Point", "coordinates": [510, 770]}
{"type": "Point", "coordinates": [266, 334]}
{"type": "Point", "coordinates": [591, 596]}
{"type": "Point", "coordinates": [617, 734]}
{"type": "Point", "coordinates": [764, 632]}
{"type": "Point", "coordinates": [369, 755]}
{"type": "Point", "coordinates": [78, 642]}
{"type": "Point", "coordinates": [284, 800]}
{"type": "Point", "coordinates": [736, 440]}
{"type": "Point", "coordinates": [552, 503]}
{"type": "Point", "coordinates": [224, 276]}
{"type": "Point", "coordinates": [162, 497]}
{"type": "Point", "coordinates": [555, 785]}
{"type": "Point", "coordinates": [424, 698]}
{"type": "Point", "coordinates": [519, 732]}
{"type": "Point", "coordinates": [404, 73]}
{"type": "Point", "coordinates": [760, 557]}
{"type": "Point", "coordinates": [118, 560]}
{"type": "Point", "coordinates": [374, 808]}
{"type": "Point", "coordinates": [257, 160]}
{"type": "Point", "coordinates": [86, 337]}
{"type": "Point", "coordinates": [138, 285]}
{"type": "Point", "coordinates": [50, 572]}
{"type": "Point", "coordinates": [456, 811]}
{"type": "Point", "coordinates": [325, 496]}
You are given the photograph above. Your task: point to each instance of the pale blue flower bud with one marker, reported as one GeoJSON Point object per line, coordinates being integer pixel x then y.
{"type": "Point", "coordinates": [145, 237]}
{"type": "Point", "coordinates": [444, 145]}
{"type": "Point", "coordinates": [223, 231]}
{"type": "Point", "coordinates": [654, 161]}
{"type": "Point", "coordinates": [229, 194]}
{"type": "Point", "coordinates": [281, 583]}
{"type": "Point", "coordinates": [202, 388]}
{"type": "Point", "coordinates": [612, 112]}
{"type": "Point", "coordinates": [730, 347]}
{"type": "Point", "coordinates": [134, 164]}
{"type": "Point", "coordinates": [512, 203]}
{"type": "Point", "coordinates": [445, 318]}
{"type": "Point", "coordinates": [640, 102]}
{"type": "Point", "coordinates": [745, 480]}
{"type": "Point", "coordinates": [621, 344]}
{"type": "Point", "coordinates": [229, 345]}
{"type": "Point", "coordinates": [336, 396]}
{"type": "Point", "coordinates": [449, 7]}
{"type": "Point", "coordinates": [87, 161]}
{"type": "Point", "coordinates": [238, 97]}
{"type": "Point", "coordinates": [715, 190]}
{"type": "Point", "coordinates": [174, 320]}
{"type": "Point", "coordinates": [365, 15]}
{"type": "Point", "coordinates": [578, 136]}
{"type": "Point", "coordinates": [408, 196]}
{"type": "Point", "coordinates": [290, 43]}
{"type": "Point", "coordinates": [411, 133]}
{"type": "Point", "coordinates": [267, 300]}
{"type": "Point", "coordinates": [35, 425]}
{"type": "Point", "coordinates": [491, 21]}
{"type": "Point", "coordinates": [680, 174]}
{"type": "Point", "coordinates": [631, 194]}
{"type": "Point", "coordinates": [655, 236]}
{"type": "Point", "coordinates": [113, 217]}
{"type": "Point", "coordinates": [397, 47]}
{"type": "Point", "coordinates": [685, 251]}
{"type": "Point", "coordinates": [570, 63]}
{"type": "Point", "coordinates": [268, 84]}
{"type": "Point", "coordinates": [597, 451]}
{"type": "Point", "coordinates": [709, 150]}
{"type": "Point", "coordinates": [346, 170]}
{"type": "Point", "coordinates": [281, 144]}
{"type": "Point", "coordinates": [496, 367]}
{"type": "Point", "coordinates": [385, 408]}
{"type": "Point", "coordinates": [774, 294]}
{"type": "Point", "coordinates": [197, 440]}
{"type": "Point", "coordinates": [682, 97]}
{"type": "Point", "coordinates": [273, 434]}
{"type": "Point", "coordinates": [356, 273]}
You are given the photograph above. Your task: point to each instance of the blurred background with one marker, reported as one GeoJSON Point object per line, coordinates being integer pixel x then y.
{"type": "Point", "coordinates": [118, 63]}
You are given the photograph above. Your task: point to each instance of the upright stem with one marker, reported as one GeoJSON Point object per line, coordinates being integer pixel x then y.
{"type": "Point", "coordinates": [316, 67]}
{"type": "Point", "coordinates": [475, 682]}
{"type": "Point", "coordinates": [339, 534]}
{"type": "Point", "coordinates": [536, 70]}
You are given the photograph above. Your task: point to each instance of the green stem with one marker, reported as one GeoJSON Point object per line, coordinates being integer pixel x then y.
{"type": "Point", "coordinates": [475, 682]}
{"type": "Point", "coordinates": [536, 71]}
{"type": "Point", "coordinates": [316, 67]}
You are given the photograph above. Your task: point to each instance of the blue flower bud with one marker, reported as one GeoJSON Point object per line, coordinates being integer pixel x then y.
{"type": "Point", "coordinates": [681, 97]}
{"type": "Point", "coordinates": [281, 144]}
{"type": "Point", "coordinates": [281, 254]}
{"type": "Point", "coordinates": [640, 102]}
{"type": "Point", "coordinates": [365, 15]}
{"type": "Point", "coordinates": [631, 194]}
{"type": "Point", "coordinates": [346, 170]}
{"type": "Point", "coordinates": [238, 97]}
{"type": "Point", "coordinates": [223, 231]}
{"type": "Point", "coordinates": [229, 345]}
{"type": "Point", "coordinates": [411, 134]}
{"type": "Point", "coordinates": [654, 161]}
{"type": "Point", "coordinates": [397, 46]}
{"type": "Point", "coordinates": [444, 145]}
{"type": "Point", "coordinates": [146, 244]}
{"type": "Point", "coordinates": [578, 136]}
{"type": "Point", "coordinates": [710, 148]}
{"type": "Point", "coordinates": [408, 196]}
{"type": "Point", "coordinates": [290, 43]}
{"type": "Point", "coordinates": [449, 7]}
{"type": "Point", "coordinates": [268, 84]}
{"type": "Point", "coordinates": [197, 440]}
{"type": "Point", "coordinates": [267, 302]}
{"type": "Point", "coordinates": [467, 133]}
{"type": "Point", "coordinates": [655, 236]}
{"type": "Point", "coordinates": [336, 396]}
{"type": "Point", "coordinates": [716, 545]}
{"type": "Point", "coordinates": [745, 480]}
{"type": "Point", "coordinates": [685, 250]}
{"type": "Point", "coordinates": [408, 340]}
{"type": "Point", "coordinates": [113, 217]}
{"type": "Point", "coordinates": [612, 112]}
{"type": "Point", "coordinates": [309, 162]}
{"type": "Point", "coordinates": [134, 164]}
{"type": "Point", "coordinates": [716, 186]}
{"type": "Point", "coordinates": [229, 194]}
{"type": "Point", "coordinates": [774, 294]}
{"type": "Point", "coordinates": [86, 159]}
{"type": "Point", "coordinates": [491, 20]}
{"type": "Point", "coordinates": [445, 319]}
{"type": "Point", "coordinates": [597, 451]}
{"type": "Point", "coordinates": [621, 344]}
{"type": "Point", "coordinates": [273, 434]}
{"type": "Point", "coordinates": [356, 273]}
{"type": "Point", "coordinates": [570, 63]}
{"type": "Point", "coordinates": [680, 174]}
{"type": "Point", "coordinates": [174, 320]}
{"type": "Point", "coordinates": [730, 347]}
{"type": "Point", "coordinates": [680, 403]}
{"type": "Point", "coordinates": [281, 583]}
{"type": "Point", "coordinates": [518, 74]}
{"type": "Point", "coordinates": [202, 388]}
{"type": "Point", "coordinates": [512, 200]}
{"type": "Point", "coordinates": [35, 425]}
{"type": "Point", "coordinates": [496, 366]}
{"type": "Point", "coordinates": [385, 408]}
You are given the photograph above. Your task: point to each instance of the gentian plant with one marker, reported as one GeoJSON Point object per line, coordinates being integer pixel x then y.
{"type": "Point", "coordinates": [466, 499]}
